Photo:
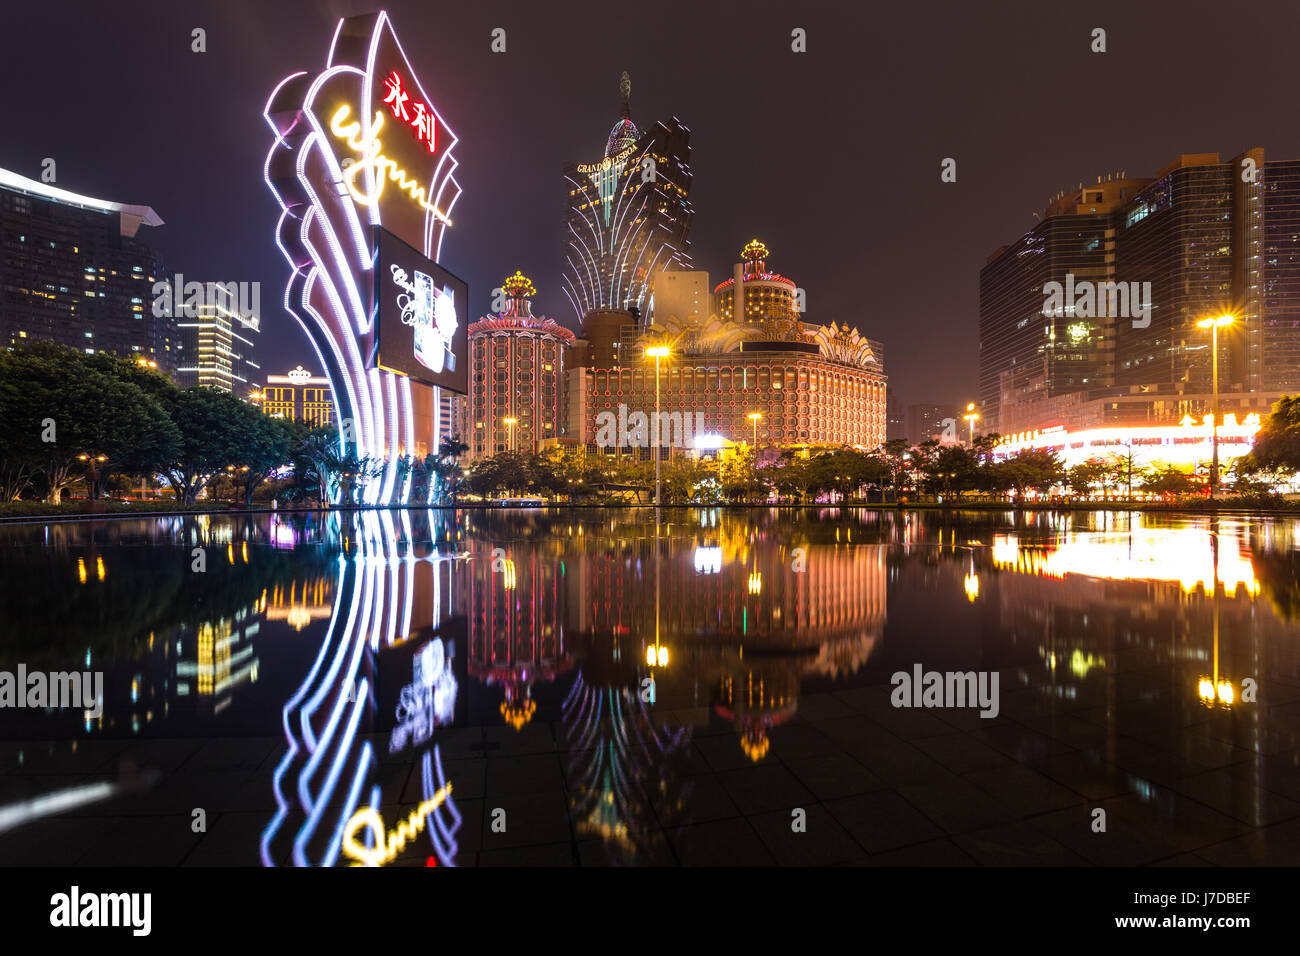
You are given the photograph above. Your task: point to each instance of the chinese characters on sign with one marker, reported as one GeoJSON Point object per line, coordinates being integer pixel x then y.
{"type": "Point", "coordinates": [416, 114]}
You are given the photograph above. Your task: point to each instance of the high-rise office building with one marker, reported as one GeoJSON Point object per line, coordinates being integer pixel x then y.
{"type": "Point", "coordinates": [217, 346]}
{"type": "Point", "coordinates": [1138, 263]}
{"type": "Point", "coordinates": [927, 420]}
{"type": "Point", "coordinates": [73, 272]}
{"type": "Point", "coordinates": [629, 213]}
{"type": "Point", "coordinates": [516, 372]}
{"type": "Point", "coordinates": [895, 423]}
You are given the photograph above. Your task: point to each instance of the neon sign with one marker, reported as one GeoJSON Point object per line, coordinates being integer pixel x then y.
{"type": "Point", "coordinates": [388, 845]}
{"type": "Point", "coordinates": [1229, 421]}
{"type": "Point", "coordinates": [373, 159]}
{"type": "Point", "coordinates": [423, 121]}
{"type": "Point", "coordinates": [608, 162]}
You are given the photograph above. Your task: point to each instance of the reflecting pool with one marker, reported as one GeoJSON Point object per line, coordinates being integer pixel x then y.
{"type": "Point", "coordinates": [596, 687]}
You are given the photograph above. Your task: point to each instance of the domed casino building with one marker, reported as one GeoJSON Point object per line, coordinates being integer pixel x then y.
{"type": "Point", "coordinates": [517, 363]}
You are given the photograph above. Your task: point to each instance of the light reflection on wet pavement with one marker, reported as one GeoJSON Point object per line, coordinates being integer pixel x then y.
{"type": "Point", "coordinates": [592, 687]}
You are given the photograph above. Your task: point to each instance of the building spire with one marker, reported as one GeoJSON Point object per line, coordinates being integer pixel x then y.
{"type": "Point", "coordinates": [625, 92]}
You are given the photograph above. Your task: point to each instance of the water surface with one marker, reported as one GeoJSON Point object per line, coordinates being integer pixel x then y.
{"type": "Point", "coordinates": [597, 687]}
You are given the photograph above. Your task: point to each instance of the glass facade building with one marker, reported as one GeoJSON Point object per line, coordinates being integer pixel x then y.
{"type": "Point", "coordinates": [628, 216]}
{"type": "Point", "coordinates": [1202, 238]}
{"type": "Point", "coordinates": [73, 272]}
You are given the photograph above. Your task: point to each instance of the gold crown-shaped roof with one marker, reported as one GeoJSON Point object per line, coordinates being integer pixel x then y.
{"type": "Point", "coordinates": [519, 286]}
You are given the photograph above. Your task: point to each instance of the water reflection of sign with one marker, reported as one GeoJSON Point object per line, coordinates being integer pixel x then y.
{"type": "Point", "coordinates": [428, 701]}
{"type": "Point", "coordinates": [385, 846]}
{"type": "Point", "coordinates": [708, 560]}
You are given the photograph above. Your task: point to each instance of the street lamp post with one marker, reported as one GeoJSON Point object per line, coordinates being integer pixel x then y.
{"type": "Point", "coordinates": [94, 473]}
{"type": "Point", "coordinates": [1214, 324]}
{"type": "Point", "coordinates": [754, 419]}
{"type": "Point", "coordinates": [971, 417]}
{"type": "Point", "coordinates": [657, 352]}
{"type": "Point", "coordinates": [1130, 469]}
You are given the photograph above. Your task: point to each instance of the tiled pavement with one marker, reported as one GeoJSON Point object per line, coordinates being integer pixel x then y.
{"type": "Point", "coordinates": [879, 786]}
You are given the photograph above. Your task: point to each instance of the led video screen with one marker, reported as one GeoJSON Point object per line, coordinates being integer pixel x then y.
{"type": "Point", "coordinates": [423, 313]}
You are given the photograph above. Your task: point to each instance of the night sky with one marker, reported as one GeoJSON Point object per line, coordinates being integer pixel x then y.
{"type": "Point", "coordinates": [831, 157]}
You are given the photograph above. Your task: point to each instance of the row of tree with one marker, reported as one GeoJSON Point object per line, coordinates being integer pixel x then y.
{"type": "Point", "coordinates": [802, 475]}
{"type": "Point", "coordinates": [67, 418]}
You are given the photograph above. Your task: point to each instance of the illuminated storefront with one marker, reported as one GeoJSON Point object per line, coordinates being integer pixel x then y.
{"type": "Point", "coordinates": [1186, 444]}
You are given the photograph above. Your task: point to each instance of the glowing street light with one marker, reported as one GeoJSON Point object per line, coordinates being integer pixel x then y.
{"type": "Point", "coordinates": [754, 417]}
{"type": "Point", "coordinates": [657, 352]}
{"type": "Point", "coordinates": [510, 431]}
{"type": "Point", "coordinates": [1214, 324]}
{"type": "Point", "coordinates": [94, 472]}
{"type": "Point", "coordinates": [971, 417]}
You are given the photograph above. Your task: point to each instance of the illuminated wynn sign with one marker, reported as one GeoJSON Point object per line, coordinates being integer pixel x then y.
{"type": "Point", "coordinates": [359, 152]}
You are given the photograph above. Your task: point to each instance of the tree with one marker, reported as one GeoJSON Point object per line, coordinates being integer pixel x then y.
{"type": "Point", "coordinates": [949, 468]}
{"type": "Point", "coordinates": [265, 445]}
{"type": "Point", "coordinates": [211, 424]}
{"type": "Point", "coordinates": [1167, 481]}
{"type": "Point", "coordinates": [60, 411]}
{"type": "Point", "coordinates": [794, 476]}
{"type": "Point", "coordinates": [1034, 469]}
{"type": "Point", "coordinates": [1277, 443]}
{"type": "Point", "coordinates": [446, 467]}
{"type": "Point", "coordinates": [737, 474]}
{"type": "Point", "coordinates": [1094, 471]}
{"type": "Point", "coordinates": [893, 453]}
{"type": "Point", "coordinates": [319, 448]}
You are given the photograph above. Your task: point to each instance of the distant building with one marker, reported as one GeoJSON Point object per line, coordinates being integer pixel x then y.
{"type": "Point", "coordinates": [1100, 301]}
{"type": "Point", "coordinates": [516, 367]}
{"type": "Point", "coordinates": [299, 395]}
{"type": "Point", "coordinates": [453, 413]}
{"type": "Point", "coordinates": [895, 422]}
{"type": "Point", "coordinates": [809, 384]}
{"type": "Point", "coordinates": [927, 420]}
{"type": "Point", "coordinates": [73, 272]}
{"type": "Point", "coordinates": [217, 347]}
{"type": "Point", "coordinates": [629, 213]}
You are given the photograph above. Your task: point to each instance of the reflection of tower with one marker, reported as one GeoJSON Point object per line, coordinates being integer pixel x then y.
{"type": "Point", "coordinates": [302, 603]}
{"type": "Point", "coordinates": [756, 695]}
{"type": "Point", "coordinates": [516, 635]}
{"type": "Point", "coordinates": [630, 783]}
{"type": "Point", "coordinates": [328, 762]}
